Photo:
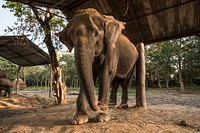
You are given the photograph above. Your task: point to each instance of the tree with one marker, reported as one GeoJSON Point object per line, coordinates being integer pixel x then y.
{"type": "Point", "coordinates": [166, 62]}
{"type": "Point", "coordinates": [178, 45]}
{"type": "Point", "coordinates": [70, 75]}
{"type": "Point", "coordinates": [36, 75]}
{"type": "Point", "coordinates": [191, 60]}
{"type": "Point", "coordinates": [160, 62]}
{"type": "Point", "coordinates": [177, 58]}
{"type": "Point", "coordinates": [44, 26]}
{"type": "Point", "coordinates": [9, 68]}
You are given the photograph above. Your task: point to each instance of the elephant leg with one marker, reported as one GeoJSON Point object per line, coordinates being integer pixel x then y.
{"type": "Point", "coordinates": [80, 116]}
{"type": "Point", "coordinates": [124, 100]}
{"type": "Point", "coordinates": [113, 94]}
{"type": "Point", "coordinates": [104, 90]}
{"type": "Point", "coordinates": [5, 92]}
{"type": "Point", "coordinates": [9, 92]}
{"type": "Point", "coordinates": [125, 84]}
{"type": "Point", "coordinates": [105, 79]}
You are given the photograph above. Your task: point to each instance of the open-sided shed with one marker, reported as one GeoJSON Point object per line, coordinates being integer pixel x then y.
{"type": "Point", "coordinates": [21, 51]}
{"type": "Point", "coordinates": [148, 21]}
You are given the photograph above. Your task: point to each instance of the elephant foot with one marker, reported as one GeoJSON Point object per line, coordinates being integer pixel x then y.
{"type": "Point", "coordinates": [80, 118]}
{"type": "Point", "coordinates": [111, 105]}
{"type": "Point", "coordinates": [102, 117]}
{"type": "Point", "coordinates": [123, 106]}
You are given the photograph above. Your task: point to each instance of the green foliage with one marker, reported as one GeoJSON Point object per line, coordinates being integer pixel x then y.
{"type": "Point", "coordinates": [37, 75]}
{"type": "Point", "coordinates": [162, 60]}
{"type": "Point", "coordinates": [9, 68]}
{"type": "Point", "coordinates": [27, 23]}
{"type": "Point", "coordinates": [191, 61]}
{"type": "Point", "coordinates": [70, 76]}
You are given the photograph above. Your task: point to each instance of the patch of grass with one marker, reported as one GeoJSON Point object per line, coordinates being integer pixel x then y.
{"type": "Point", "coordinates": [131, 92]}
{"type": "Point", "coordinates": [35, 88]}
{"type": "Point", "coordinates": [73, 89]}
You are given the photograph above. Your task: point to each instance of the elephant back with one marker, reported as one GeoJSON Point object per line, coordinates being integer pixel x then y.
{"type": "Point", "coordinates": [2, 74]}
{"type": "Point", "coordinates": [5, 83]}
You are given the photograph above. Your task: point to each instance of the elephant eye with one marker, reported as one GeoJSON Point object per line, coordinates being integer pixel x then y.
{"type": "Point", "coordinates": [95, 33]}
{"type": "Point", "coordinates": [78, 32]}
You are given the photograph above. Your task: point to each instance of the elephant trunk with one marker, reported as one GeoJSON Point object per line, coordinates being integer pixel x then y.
{"type": "Point", "coordinates": [84, 68]}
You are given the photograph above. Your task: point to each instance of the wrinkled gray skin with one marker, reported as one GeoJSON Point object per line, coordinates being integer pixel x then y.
{"type": "Point", "coordinates": [100, 51]}
{"type": "Point", "coordinates": [125, 82]}
{"type": "Point", "coordinates": [6, 85]}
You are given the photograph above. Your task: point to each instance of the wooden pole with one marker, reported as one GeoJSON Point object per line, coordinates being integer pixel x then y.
{"type": "Point", "coordinates": [140, 77]}
{"type": "Point", "coordinates": [17, 82]}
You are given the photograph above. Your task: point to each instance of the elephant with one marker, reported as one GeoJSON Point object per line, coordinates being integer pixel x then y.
{"type": "Point", "coordinates": [113, 95]}
{"type": "Point", "coordinates": [2, 74]}
{"type": "Point", "coordinates": [101, 51]}
{"type": "Point", "coordinates": [6, 85]}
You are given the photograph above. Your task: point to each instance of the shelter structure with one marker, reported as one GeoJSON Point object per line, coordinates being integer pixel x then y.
{"type": "Point", "coordinates": [23, 52]}
{"type": "Point", "coordinates": [147, 21]}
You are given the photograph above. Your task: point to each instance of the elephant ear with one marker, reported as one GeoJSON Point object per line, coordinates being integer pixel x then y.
{"type": "Point", "coordinates": [65, 39]}
{"type": "Point", "coordinates": [113, 29]}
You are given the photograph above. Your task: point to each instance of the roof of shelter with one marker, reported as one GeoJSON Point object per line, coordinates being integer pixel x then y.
{"type": "Point", "coordinates": [21, 51]}
{"type": "Point", "coordinates": [147, 21]}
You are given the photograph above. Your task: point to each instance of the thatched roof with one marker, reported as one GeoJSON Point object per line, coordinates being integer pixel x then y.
{"type": "Point", "coordinates": [147, 21]}
{"type": "Point", "coordinates": [21, 51]}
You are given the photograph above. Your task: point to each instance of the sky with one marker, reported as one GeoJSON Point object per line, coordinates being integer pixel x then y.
{"type": "Point", "coordinates": [7, 19]}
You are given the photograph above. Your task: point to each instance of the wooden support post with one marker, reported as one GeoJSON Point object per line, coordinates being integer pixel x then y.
{"type": "Point", "coordinates": [140, 77]}
{"type": "Point", "coordinates": [17, 82]}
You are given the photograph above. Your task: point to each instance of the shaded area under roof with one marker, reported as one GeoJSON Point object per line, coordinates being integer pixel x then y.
{"type": "Point", "coordinates": [21, 51]}
{"type": "Point", "coordinates": [147, 21]}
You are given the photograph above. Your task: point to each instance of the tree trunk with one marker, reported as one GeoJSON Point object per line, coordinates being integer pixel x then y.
{"type": "Point", "coordinates": [181, 80]}
{"type": "Point", "coordinates": [167, 83]}
{"type": "Point", "coordinates": [72, 83]}
{"type": "Point", "coordinates": [180, 67]}
{"type": "Point", "coordinates": [37, 84]}
{"type": "Point", "coordinates": [59, 87]}
{"type": "Point", "coordinates": [41, 84]}
{"type": "Point", "coordinates": [191, 82]}
{"type": "Point", "coordinates": [45, 86]}
{"type": "Point", "coordinates": [151, 80]}
{"type": "Point", "coordinates": [50, 82]}
{"type": "Point", "coordinates": [159, 84]}
{"type": "Point", "coordinates": [17, 82]}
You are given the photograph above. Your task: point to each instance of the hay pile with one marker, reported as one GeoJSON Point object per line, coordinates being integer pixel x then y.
{"type": "Point", "coordinates": [22, 84]}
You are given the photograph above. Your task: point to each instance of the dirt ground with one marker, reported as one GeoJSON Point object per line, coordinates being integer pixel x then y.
{"type": "Point", "coordinates": [167, 112]}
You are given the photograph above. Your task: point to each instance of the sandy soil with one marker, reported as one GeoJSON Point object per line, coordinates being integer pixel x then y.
{"type": "Point", "coordinates": [167, 112]}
